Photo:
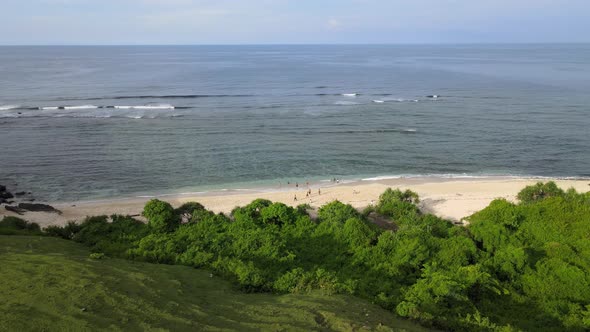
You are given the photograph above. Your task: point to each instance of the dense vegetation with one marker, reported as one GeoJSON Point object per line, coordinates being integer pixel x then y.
{"type": "Point", "coordinates": [519, 266]}
{"type": "Point", "coordinates": [50, 284]}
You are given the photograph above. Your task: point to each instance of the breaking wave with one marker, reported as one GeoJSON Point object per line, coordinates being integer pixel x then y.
{"type": "Point", "coordinates": [8, 107]}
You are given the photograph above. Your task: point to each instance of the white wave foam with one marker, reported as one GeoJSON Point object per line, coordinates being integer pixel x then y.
{"type": "Point", "coordinates": [410, 130]}
{"type": "Point", "coordinates": [403, 100]}
{"type": "Point", "coordinates": [146, 107]}
{"type": "Point", "coordinates": [350, 94]}
{"type": "Point", "coordinates": [379, 101]}
{"type": "Point", "coordinates": [346, 103]}
{"type": "Point", "coordinates": [8, 107]}
{"type": "Point", "coordinates": [48, 108]}
{"type": "Point", "coordinates": [443, 176]}
{"type": "Point", "coordinates": [156, 107]}
{"type": "Point", "coordinates": [384, 177]}
{"type": "Point", "coordinates": [81, 107]}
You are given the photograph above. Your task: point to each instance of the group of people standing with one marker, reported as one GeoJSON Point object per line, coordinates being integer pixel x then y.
{"type": "Point", "coordinates": [308, 193]}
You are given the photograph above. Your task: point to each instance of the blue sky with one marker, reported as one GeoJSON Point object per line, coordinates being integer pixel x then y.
{"type": "Point", "coordinates": [292, 21]}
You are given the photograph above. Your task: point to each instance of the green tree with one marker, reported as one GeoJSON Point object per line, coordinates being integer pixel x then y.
{"type": "Point", "coordinates": [337, 212]}
{"type": "Point", "coordinates": [539, 191]}
{"type": "Point", "coordinates": [187, 210]}
{"type": "Point", "coordinates": [278, 214]}
{"type": "Point", "coordinates": [398, 205]}
{"type": "Point", "coordinates": [161, 216]}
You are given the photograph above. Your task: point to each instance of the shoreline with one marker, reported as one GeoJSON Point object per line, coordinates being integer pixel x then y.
{"type": "Point", "coordinates": [452, 198]}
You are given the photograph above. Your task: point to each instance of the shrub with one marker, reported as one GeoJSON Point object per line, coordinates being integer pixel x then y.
{"type": "Point", "coordinates": [17, 226]}
{"type": "Point", "coordinates": [278, 214]}
{"type": "Point", "coordinates": [539, 191]}
{"type": "Point", "coordinates": [187, 210]}
{"type": "Point", "coordinates": [113, 238]}
{"type": "Point", "coordinates": [337, 212]}
{"type": "Point", "coordinates": [358, 233]}
{"type": "Point", "coordinates": [493, 225]}
{"type": "Point", "coordinates": [66, 232]}
{"type": "Point", "coordinates": [161, 216]}
{"type": "Point", "coordinates": [398, 205]}
{"type": "Point", "coordinates": [303, 208]}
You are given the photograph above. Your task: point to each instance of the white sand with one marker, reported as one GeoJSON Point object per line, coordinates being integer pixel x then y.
{"type": "Point", "coordinates": [449, 198]}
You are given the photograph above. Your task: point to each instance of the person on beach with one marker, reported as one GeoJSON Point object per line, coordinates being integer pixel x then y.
{"type": "Point", "coordinates": [295, 198]}
{"type": "Point", "coordinates": [319, 191]}
{"type": "Point", "coordinates": [296, 184]}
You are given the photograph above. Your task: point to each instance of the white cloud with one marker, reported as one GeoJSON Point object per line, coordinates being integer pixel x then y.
{"type": "Point", "coordinates": [333, 24]}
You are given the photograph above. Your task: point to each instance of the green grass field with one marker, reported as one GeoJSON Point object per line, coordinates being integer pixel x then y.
{"type": "Point", "coordinates": [49, 284]}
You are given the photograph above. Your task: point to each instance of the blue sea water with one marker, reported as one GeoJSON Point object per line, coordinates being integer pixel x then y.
{"type": "Point", "coordinates": [89, 122]}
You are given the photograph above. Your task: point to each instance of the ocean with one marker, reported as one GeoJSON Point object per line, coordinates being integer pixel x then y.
{"type": "Point", "coordinates": [82, 122]}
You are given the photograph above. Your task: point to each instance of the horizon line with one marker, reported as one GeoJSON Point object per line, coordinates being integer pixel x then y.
{"type": "Point", "coordinates": [310, 44]}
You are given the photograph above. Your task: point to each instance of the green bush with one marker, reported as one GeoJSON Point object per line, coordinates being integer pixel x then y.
{"type": "Point", "coordinates": [188, 210]}
{"type": "Point", "coordinates": [161, 216]}
{"type": "Point", "coordinates": [337, 212]}
{"type": "Point", "coordinates": [398, 205]}
{"type": "Point", "coordinates": [278, 214]}
{"type": "Point", "coordinates": [66, 232]}
{"type": "Point", "coordinates": [539, 191]}
{"type": "Point", "coordinates": [17, 226]}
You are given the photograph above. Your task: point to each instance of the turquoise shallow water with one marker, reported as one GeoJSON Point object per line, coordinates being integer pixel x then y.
{"type": "Point", "coordinates": [93, 122]}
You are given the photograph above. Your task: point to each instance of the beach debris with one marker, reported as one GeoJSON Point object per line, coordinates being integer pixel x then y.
{"type": "Point", "coordinates": [37, 207]}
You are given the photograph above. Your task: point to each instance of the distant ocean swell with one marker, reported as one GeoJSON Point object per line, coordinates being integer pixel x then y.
{"type": "Point", "coordinates": [348, 101]}
{"type": "Point", "coordinates": [196, 96]}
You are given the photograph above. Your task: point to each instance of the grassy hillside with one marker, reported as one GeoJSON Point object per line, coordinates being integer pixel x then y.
{"type": "Point", "coordinates": [49, 284]}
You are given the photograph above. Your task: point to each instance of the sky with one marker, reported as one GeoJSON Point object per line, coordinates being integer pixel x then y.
{"type": "Point", "coordinates": [130, 22]}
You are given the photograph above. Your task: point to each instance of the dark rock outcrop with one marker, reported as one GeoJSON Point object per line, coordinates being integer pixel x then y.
{"type": "Point", "coordinates": [14, 209]}
{"type": "Point", "coordinates": [6, 195]}
{"type": "Point", "coordinates": [36, 207]}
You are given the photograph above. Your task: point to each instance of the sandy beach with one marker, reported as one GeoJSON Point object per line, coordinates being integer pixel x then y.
{"type": "Point", "coordinates": [453, 199]}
